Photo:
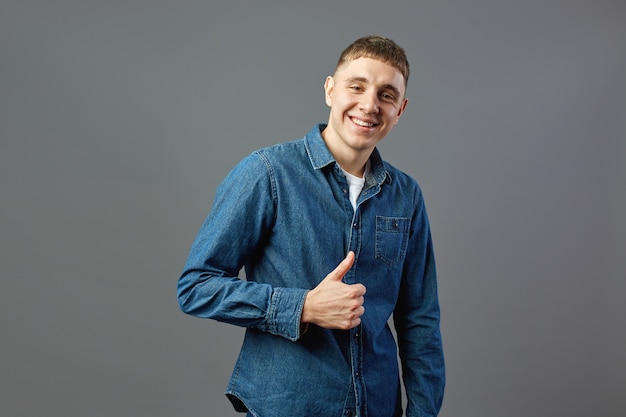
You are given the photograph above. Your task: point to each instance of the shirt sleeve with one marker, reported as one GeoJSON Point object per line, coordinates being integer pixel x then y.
{"type": "Point", "coordinates": [417, 323]}
{"type": "Point", "coordinates": [209, 287]}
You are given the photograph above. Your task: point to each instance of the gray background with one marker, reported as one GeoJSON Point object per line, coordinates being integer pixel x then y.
{"type": "Point", "coordinates": [119, 119]}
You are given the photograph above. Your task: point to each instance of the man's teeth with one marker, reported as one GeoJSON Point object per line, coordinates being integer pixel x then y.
{"type": "Point", "coordinates": [362, 123]}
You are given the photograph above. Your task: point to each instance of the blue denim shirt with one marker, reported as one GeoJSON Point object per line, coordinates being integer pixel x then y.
{"type": "Point", "coordinates": [284, 214]}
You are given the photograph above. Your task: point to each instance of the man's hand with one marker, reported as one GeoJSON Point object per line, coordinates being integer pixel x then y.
{"type": "Point", "coordinates": [334, 304]}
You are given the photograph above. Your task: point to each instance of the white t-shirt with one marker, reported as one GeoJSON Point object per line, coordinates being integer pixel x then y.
{"type": "Point", "coordinates": [355, 184]}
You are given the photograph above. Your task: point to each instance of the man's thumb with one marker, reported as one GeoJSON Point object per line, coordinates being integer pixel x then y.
{"type": "Point", "coordinates": [341, 270]}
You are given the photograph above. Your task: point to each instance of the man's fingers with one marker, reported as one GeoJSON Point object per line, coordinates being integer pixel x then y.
{"type": "Point", "coordinates": [334, 304]}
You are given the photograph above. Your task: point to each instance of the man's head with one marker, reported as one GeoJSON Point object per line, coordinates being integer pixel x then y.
{"type": "Point", "coordinates": [379, 48]}
{"type": "Point", "coordinates": [366, 96]}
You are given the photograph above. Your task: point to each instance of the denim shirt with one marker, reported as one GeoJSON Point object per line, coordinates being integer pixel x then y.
{"type": "Point", "coordinates": [284, 214]}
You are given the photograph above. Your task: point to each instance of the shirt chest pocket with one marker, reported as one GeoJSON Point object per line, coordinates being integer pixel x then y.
{"type": "Point", "coordinates": [392, 237]}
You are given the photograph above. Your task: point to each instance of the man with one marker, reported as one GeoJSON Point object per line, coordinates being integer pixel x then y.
{"type": "Point", "coordinates": [334, 242]}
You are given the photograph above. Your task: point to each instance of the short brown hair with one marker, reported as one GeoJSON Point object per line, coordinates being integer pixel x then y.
{"type": "Point", "coordinates": [377, 47]}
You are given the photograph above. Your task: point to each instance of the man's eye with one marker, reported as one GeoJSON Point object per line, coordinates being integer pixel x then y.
{"type": "Point", "coordinates": [388, 96]}
{"type": "Point", "coordinates": [355, 88]}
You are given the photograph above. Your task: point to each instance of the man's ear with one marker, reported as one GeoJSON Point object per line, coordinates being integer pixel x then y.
{"type": "Point", "coordinates": [401, 110]}
{"type": "Point", "coordinates": [329, 84]}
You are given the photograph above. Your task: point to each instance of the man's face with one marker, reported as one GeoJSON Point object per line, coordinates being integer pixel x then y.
{"type": "Point", "coordinates": [366, 99]}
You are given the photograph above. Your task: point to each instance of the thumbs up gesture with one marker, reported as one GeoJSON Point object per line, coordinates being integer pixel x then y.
{"type": "Point", "coordinates": [334, 304]}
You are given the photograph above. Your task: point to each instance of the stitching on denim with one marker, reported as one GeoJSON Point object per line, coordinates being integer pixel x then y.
{"type": "Point", "coordinates": [272, 176]}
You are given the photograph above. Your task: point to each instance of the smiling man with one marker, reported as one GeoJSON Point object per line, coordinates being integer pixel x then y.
{"type": "Point", "coordinates": [335, 242]}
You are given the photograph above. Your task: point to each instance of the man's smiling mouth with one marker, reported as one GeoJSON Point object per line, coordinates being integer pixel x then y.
{"type": "Point", "coordinates": [361, 122]}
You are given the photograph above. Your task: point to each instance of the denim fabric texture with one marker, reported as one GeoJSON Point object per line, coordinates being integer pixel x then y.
{"type": "Point", "coordinates": [284, 214]}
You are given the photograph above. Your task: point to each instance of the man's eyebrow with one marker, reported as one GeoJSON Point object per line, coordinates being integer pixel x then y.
{"type": "Point", "coordinates": [389, 87]}
{"type": "Point", "coordinates": [356, 79]}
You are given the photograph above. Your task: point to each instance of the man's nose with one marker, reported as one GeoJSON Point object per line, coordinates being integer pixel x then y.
{"type": "Point", "coordinates": [369, 103]}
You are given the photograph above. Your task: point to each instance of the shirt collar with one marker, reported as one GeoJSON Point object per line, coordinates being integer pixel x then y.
{"type": "Point", "coordinates": [320, 156]}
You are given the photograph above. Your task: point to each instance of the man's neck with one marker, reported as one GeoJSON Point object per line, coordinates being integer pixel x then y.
{"type": "Point", "coordinates": [351, 161]}
{"type": "Point", "coordinates": [356, 168]}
